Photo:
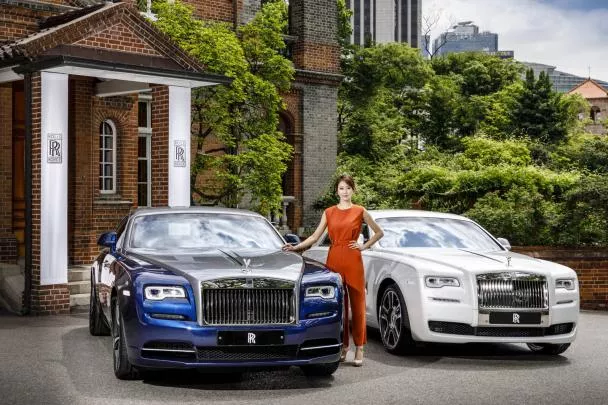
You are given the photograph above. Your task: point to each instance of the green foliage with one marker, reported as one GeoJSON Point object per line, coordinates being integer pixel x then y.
{"type": "Point", "coordinates": [242, 116]}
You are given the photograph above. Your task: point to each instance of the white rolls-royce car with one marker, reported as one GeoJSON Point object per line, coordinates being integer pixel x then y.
{"type": "Point", "coordinates": [438, 277]}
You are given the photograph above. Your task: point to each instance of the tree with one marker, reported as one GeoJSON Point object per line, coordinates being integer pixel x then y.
{"type": "Point", "coordinates": [543, 114]}
{"type": "Point", "coordinates": [249, 154]}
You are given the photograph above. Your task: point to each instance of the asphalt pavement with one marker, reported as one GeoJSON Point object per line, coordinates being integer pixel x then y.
{"type": "Point", "coordinates": [53, 360]}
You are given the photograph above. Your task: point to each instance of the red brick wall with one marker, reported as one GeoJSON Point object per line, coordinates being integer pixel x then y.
{"type": "Point", "coordinates": [119, 38]}
{"type": "Point", "coordinates": [590, 264]}
{"type": "Point", "coordinates": [216, 10]}
{"type": "Point", "coordinates": [160, 146]}
{"type": "Point", "coordinates": [17, 22]}
{"type": "Point", "coordinates": [316, 57]}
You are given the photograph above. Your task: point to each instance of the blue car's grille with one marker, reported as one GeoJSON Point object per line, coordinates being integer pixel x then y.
{"type": "Point", "coordinates": [241, 353]}
{"type": "Point", "coordinates": [248, 306]}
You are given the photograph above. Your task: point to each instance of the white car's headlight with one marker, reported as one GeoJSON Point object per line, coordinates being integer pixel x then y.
{"type": "Point", "coordinates": [160, 292]}
{"type": "Point", "coordinates": [567, 283]}
{"type": "Point", "coordinates": [324, 291]}
{"type": "Point", "coordinates": [439, 281]}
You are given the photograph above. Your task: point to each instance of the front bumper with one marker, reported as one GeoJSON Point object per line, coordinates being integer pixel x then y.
{"type": "Point", "coordinates": [459, 322]}
{"type": "Point", "coordinates": [156, 343]}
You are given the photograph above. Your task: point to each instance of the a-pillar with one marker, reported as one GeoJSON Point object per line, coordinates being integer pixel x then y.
{"type": "Point", "coordinates": [179, 146]}
{"type": "Point", "coordinates": [50, 294]}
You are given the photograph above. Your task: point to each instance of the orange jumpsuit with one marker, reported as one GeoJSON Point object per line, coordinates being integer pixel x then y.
{"type": "Point", "coordinates": [344, 226]}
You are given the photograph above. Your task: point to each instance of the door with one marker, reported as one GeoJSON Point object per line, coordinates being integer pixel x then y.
{"type": "Point", "coordinates": [19, 165]}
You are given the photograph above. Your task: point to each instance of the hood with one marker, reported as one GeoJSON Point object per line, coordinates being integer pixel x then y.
{"type": "Point", "coordinates": [472, 261]}
{"type": "Point", "coordinates": [215, 263]}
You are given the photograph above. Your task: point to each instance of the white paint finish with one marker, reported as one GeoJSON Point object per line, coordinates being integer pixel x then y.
{"type": "Point", "coordinates": [120, 87]}
{"type": "Point", "coordinates": [8, 75]}
{"type": "Point", "coordinates": [54, 180]}
{"type": "Point", "coordinates": [179, 137]}
{"type": "Point", "coordinates": [133, 77]}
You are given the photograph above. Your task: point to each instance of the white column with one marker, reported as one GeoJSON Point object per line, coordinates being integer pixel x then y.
{"type": "Point", "coordinates": [179, 146]}
{"type": "Point", "coordinates": [54, 179]}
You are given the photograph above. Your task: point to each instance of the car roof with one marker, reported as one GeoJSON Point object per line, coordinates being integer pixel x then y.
{"type": "Point", "coordinates": [193, 210]}
{"type": "Point", "coordinates": [376, 214]}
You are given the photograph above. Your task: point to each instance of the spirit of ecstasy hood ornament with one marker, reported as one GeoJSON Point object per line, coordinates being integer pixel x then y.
{"type": "Point", "coordinates": [247, 269]}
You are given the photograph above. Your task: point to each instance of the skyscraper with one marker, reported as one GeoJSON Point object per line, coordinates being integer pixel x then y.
{"type": "Point", "coordinates": [384, 21]}
{"type": "Point", "coordinates": [463, 37]}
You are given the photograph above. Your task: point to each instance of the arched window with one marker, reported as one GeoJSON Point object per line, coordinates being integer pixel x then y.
{"type": "Point", "coordinates": [595, 113]}
{"type": "Point", "coordinates": [107, 157]}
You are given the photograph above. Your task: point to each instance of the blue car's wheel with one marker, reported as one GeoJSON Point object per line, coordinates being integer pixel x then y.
{"type": "Point", "coordinates": [122, 366]}
{"type": "Point", "coordinates": [97, 325]}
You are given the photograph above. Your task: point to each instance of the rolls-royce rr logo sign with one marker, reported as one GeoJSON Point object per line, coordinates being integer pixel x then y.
{"type": "Point", "coordinates": [515, 318]}
{"type": "Point", "coordinates": [179, 153]}
{"type": "Point", "coordinates": [53, 153]}
{"type": "Point", "coordinates": [251, 338]}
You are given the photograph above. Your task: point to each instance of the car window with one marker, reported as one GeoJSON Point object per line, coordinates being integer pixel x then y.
{"type": "Point", "coordinates": [435, 233]}
{"type": "Point", "coordinates": [177, 231]}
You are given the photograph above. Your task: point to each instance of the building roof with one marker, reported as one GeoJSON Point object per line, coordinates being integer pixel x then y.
{"type": "Point", "coordinates": [590, 89]}
{"type": "Point", "coordinates": [79, 24]}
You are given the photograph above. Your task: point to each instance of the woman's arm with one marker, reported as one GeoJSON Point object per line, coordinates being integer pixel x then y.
{"type": "Point", "coordinates": [378, 232]}
{"type": "Point", "coordinates": [311, 240]}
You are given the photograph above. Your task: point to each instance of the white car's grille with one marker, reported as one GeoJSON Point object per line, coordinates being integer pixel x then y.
{"type": "Point", "coordinates": [248, 302]}
{"type": "Point", "coordinates": [512, 290]}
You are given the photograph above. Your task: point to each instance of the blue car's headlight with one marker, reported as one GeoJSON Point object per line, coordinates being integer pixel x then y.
{"type": "Point", "coordinates": [325, 291]}
{"type": "Point", "coordinates": [160, 292]}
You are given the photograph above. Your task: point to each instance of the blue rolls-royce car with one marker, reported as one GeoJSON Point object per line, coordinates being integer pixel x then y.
{"type": "Point", "coordinates": [204, 287]}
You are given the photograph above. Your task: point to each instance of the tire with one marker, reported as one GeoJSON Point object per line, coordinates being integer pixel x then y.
{"type": "Point", "coordinates": [97, 324]}
{"type": "Point", "coordinates": [548, 348]}
{"type": "Point", "coordinates": [320, 370]}
{"type": "Point", "coordinates": [394, 322]}
{"type": "Point", "coordinates": [123, 370]}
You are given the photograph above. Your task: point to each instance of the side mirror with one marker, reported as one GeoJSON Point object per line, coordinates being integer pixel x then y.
{"type": "Point", "coordinates": [505, 243]}
{"type": "Point", "coordinates": [108, 239]}
{"type": "Point", "coordinates": [292, 239]}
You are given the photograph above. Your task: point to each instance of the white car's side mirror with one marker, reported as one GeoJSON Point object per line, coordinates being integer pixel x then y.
{"type": "Point", "coordinates": [505, 243]}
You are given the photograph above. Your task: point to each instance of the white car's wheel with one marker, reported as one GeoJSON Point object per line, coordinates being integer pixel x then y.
{"type": "Point", "coordinates": [548, 348]}
{"type": "Point", "coordinates": [394, 322]}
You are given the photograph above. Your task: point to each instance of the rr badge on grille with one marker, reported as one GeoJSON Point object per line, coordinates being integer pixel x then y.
{"type": "Point", "coordinates": [251, 338]}
{"type": "Point", "coordinates": [515, 318]}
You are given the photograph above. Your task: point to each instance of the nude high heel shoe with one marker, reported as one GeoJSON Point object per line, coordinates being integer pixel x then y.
{"type": "Point", "coordinates": [343, 354]}
{"type": "Point", "coordinates": [358, 362]}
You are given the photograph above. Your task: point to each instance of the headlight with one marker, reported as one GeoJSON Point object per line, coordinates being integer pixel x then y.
{"type": "Point", "coordinates": [438, 282]}
{"type": "Point", "coordinates": [567, 283]}
{"type": "Point", "coordinates": [160, 292]}
{"type": "Point", "coordinates": [326, 291]}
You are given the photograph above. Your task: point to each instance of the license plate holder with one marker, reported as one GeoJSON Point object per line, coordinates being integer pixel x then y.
{"type": "Point", "coordinates": [515, 318]}
{"type": "Point", "coordinates": [250, 338]}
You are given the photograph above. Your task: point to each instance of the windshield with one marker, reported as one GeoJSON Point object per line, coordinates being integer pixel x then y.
{"type": "Point", "coordinates": [434, 233]}
{"type": "Point", "coordinates": [173, 231]}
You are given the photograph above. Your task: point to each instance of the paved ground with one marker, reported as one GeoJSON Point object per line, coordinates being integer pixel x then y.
{"type": "Point", "coordinates": [54, 360]}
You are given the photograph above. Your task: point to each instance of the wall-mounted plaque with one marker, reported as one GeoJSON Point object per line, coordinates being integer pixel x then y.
{"type": "Point", "coordinates": [54, 150]}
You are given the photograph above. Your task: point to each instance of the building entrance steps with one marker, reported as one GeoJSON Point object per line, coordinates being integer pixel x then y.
{"type": "Point", "coordinates": [79, 283]}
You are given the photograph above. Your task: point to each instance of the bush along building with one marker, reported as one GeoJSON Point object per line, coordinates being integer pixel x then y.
{"type": "Point", "coordinates": [95, 117]}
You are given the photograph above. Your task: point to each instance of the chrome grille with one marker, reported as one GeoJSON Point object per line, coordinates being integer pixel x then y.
{"type": "Point", "coordinates": [512, 290]}
{"type": "Point", "coordinates": [248, 306]}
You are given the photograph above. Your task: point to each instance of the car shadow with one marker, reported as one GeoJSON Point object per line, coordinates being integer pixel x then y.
{"type": "Point", "coordinates": [88, 361]}
{"type": "Point", "coordinates": [478, 355]}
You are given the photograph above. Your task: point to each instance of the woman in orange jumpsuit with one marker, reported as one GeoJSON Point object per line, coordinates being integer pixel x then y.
{"type": "Point", "coordinates": [343, 222]}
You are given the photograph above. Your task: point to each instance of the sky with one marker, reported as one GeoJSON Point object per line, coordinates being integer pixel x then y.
{"type": "Point", "coordinates": [569, 34]}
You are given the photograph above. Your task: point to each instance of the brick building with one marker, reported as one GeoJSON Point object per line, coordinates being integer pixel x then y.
{"type": "Point", "coordinates": [95, 120]}
{"type": "Point", "coordinates": [597, 96]}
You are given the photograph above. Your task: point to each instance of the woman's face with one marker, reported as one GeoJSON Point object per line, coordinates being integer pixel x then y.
{"type": "Point", "coordinates": [345, 192]}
